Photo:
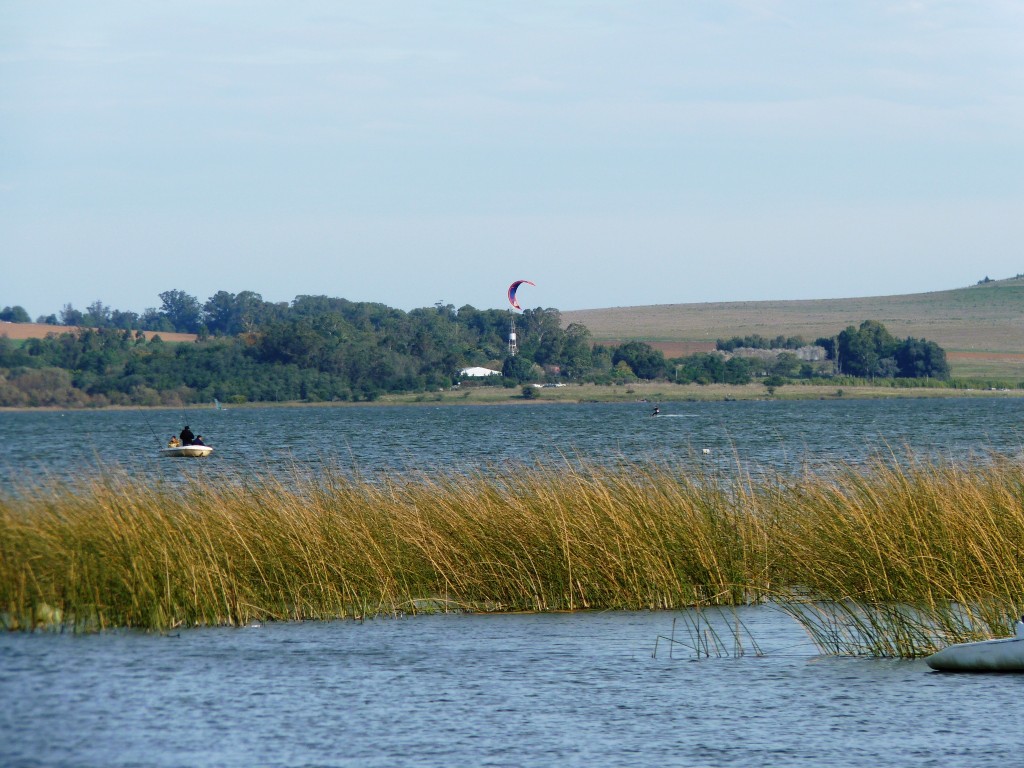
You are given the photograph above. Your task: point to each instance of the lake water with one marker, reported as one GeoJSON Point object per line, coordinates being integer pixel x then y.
{"type": "Point", "coordinates": [580, 689]}
{"type": "Point", "coordinates": [467, 690]}
{"type": "Point", "coordinates": [775, 434]}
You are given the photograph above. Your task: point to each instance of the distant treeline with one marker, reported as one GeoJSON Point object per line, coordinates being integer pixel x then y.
{"type": "Point", "coordinates": [317, 348]}
{"type": "Point", "coordinates": [757, 341]}
{"type": "Point", "coordinates": [223, 313]}
{"type": "Point", "coordinates": [869, 351]}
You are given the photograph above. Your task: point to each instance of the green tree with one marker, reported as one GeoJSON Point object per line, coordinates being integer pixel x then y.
{"type": "Point", "coordinates": [642, 359]}
{"type": "Point", "coordinates": [601, 359]}
{"type": "Point", "coordinates": [540, 335]}
{"type": "Point", "coordinates": [183, 311]}
{"type": "Point", "coordinates": [577, 356]}
{"type": "Point", "coordinates": [829, 344]}
{"type": "Point", "coordinates": [294, 342]}
{"type": "Point", "coordinates": [154, 320]}
{"type": "Point", "coordinates": [917, 358]}
{"type": "Point", "coordinates": [15, 314]}
{"type": "Point", "coordinates": [867, 351]}
{"type": "Point", "coordinates": [739, 370]}
{"type": "Point", "coordinates": [97, 315]}
{"type": "Point", "coordinates": [227, 314]}
{"type": "Point", "coordinates": [622, 373]}
{"type": "Point", "coordinates": [70, 316]}
{"type": "Point", "coordinates": [124, 320]}
{"type": "Point", "coordinates": [517, 369]}
{"type": "Point", "coordinates": [786, 364]}
{"type": "Point", "coordinates": [704, 368]}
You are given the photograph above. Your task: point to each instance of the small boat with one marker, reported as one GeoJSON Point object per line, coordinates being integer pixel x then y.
{"type": "Point", "coordinates": [187, 451]}
{"type": "Point", "coordinates": [1005, 654]}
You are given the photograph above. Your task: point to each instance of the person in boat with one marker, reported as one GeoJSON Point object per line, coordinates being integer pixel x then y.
{"type": "Point", "coordinates": [174, 442]}
{"type": "Point", "coordinates": [198, 440]}
{"type": "Point", "coordinates": [186, 436]}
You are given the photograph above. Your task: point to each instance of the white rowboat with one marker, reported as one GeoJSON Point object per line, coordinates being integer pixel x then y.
{"type": "Point", "coordinates": [187, 451]}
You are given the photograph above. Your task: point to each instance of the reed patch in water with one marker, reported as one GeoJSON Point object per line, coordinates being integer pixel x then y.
{"type": "Point", "coordinates": [906, 555]}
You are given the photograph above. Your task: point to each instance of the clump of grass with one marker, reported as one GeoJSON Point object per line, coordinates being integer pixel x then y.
{"type": "Point", "coordinates": [892, 558]}
{"type": "Point", "coordinates": [940, 541]}
{"type": "Point", "coordinates": [121, 552]}
{"type": "Point", "coordinates": [705, 636]}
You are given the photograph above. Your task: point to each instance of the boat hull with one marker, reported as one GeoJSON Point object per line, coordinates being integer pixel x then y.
{"type": "Point", "coordinates": [1005, 655]}
{"type": "Point", "coordinates": [187, 452]}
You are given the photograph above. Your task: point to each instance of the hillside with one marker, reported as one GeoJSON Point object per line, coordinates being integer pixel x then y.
{"type": "Point", "coordinates": [980, 327]}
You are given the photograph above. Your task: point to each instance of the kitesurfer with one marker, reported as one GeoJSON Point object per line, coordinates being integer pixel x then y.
{"type": "Point", "coordinates": [657, 411]}
{"type": "Point", "coordinates": [186, 436]}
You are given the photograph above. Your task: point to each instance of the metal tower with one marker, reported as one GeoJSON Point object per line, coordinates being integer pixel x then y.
{"type": "Point", "coordinates": [512, 346]}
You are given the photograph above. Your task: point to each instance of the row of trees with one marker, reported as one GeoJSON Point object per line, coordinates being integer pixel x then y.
{"type": "Point", "coordinates": [223, 314]}
{"type": "Point", "coordinates": [315, 348]}
{"type": "Point", "coordinates": [757, 341]}
{"type": "Point", "coordinates": [870, 351]}
{"type": "Point", "coordinates": [320, 348]}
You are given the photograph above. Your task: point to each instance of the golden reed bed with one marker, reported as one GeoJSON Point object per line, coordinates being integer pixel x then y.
{"type": "Point", "coordinates": [892, 558]}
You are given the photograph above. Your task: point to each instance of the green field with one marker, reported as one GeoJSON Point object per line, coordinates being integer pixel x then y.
{"type": "Point", "coordinates": [980, 327]}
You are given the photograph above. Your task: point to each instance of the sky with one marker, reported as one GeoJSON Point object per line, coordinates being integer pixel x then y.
{"type": "Point", "coordinates": [409, 153]}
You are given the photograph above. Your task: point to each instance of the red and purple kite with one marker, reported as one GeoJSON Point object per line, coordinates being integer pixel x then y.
{"type": "Point", "coordinates": [512, 292]}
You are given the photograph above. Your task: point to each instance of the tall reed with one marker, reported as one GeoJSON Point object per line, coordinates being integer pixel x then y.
{"type": "Point", "coordinates": [892, 558]}
{"type": "Point", "coordinates": [910, 555]}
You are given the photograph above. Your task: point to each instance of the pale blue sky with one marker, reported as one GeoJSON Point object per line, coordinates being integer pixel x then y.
{"type": "Point", "coordinates": [614, 153]}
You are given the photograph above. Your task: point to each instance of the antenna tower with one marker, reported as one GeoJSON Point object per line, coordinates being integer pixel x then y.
{"type": "Point", "coordinates": [512, 346]}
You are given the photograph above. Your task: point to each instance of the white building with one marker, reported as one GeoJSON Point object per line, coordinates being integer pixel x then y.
{"type": "Point", "coordinates": [475, 373]}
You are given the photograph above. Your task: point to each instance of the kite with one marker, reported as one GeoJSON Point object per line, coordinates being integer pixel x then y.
{"type": "Point", "coordinates": [512, 292]}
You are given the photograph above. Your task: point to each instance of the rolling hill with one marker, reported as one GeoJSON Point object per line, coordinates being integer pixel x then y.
{"type": "Point", "coordinates": [980, 327]}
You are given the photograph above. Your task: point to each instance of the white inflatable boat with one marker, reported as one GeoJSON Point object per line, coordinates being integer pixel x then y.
{"type": "Point", "coordinates": [1003, 655]}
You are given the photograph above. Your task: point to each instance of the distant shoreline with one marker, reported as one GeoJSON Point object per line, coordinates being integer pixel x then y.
{"type": "Point", "coordinates": [645, 393]}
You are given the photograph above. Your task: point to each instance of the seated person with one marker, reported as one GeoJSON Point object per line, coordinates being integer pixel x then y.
{"type": "Point", "coordinates": [198, 440]}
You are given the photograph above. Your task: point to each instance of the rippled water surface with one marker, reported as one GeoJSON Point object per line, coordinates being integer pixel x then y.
{"type": "Point", "coordinates": [777, 434]}
{"type": "Point", "coordinates": [522, 690]}
{"type": "Point", "coordinates": [580, 689]}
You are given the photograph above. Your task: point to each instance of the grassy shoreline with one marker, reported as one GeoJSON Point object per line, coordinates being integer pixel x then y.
{"type": "Point", "coordinates": [907, 556]}
{"type": "Point", "coordinates": [640, 392]}
{"type": "Point", "coordinates": [668, 392]}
